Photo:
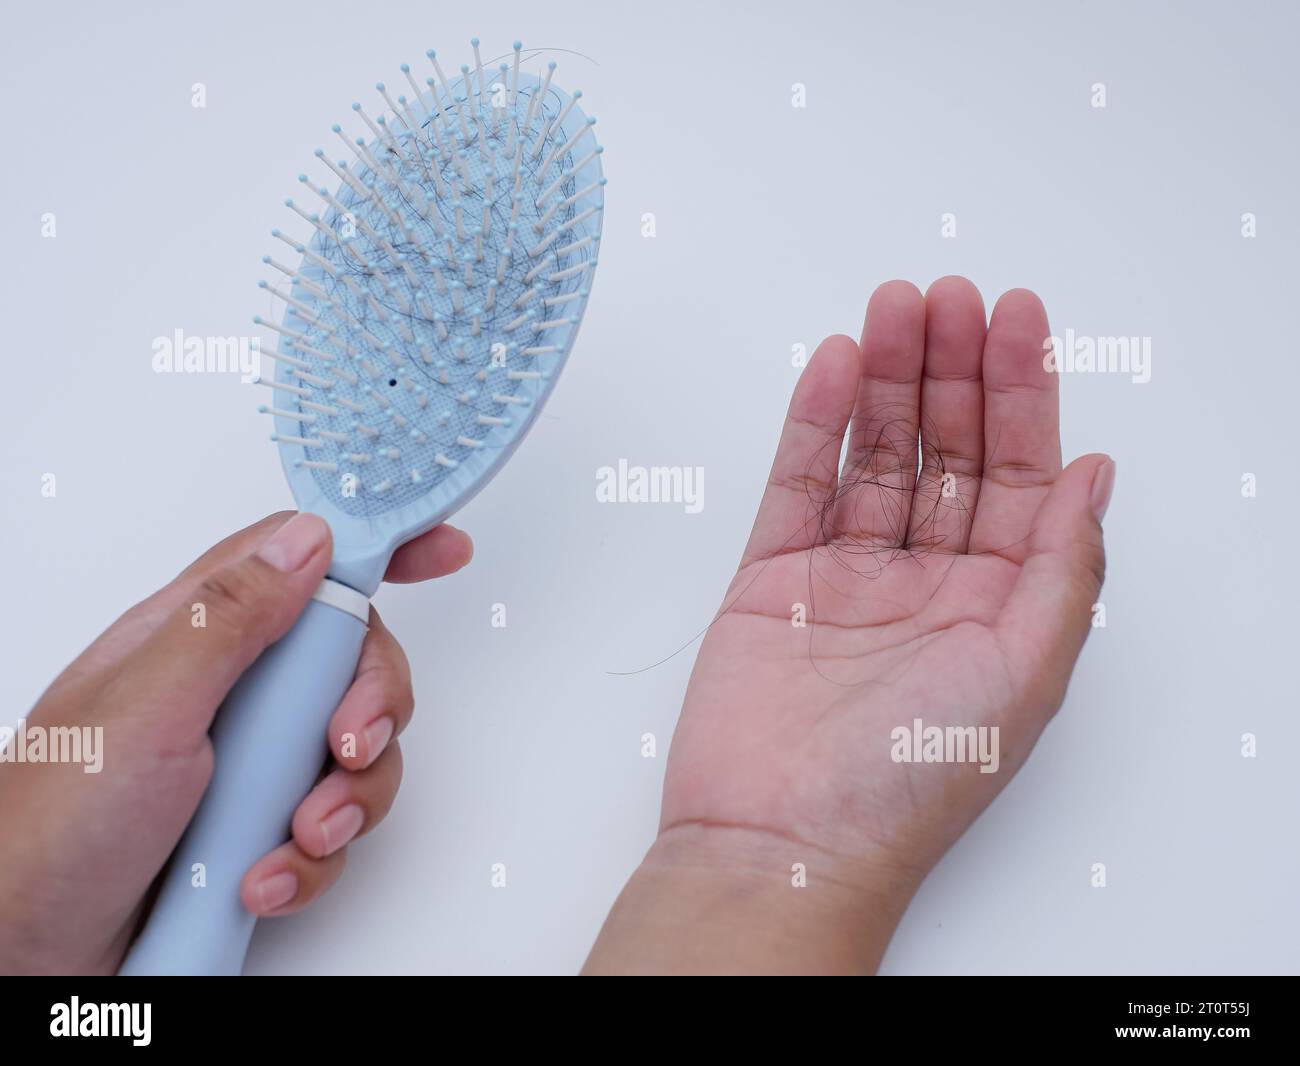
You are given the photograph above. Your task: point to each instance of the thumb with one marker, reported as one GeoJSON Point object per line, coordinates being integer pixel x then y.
{"type": "Point", "coordinates": [233, 615]}
{"type": "Point", "coordinates": [1048, 615]}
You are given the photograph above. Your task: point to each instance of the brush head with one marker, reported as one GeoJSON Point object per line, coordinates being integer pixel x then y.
{"type": "Point", "coordinates": [442, 275]}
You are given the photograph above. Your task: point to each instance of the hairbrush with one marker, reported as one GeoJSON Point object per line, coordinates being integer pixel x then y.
{"type": "Point", "coordinates": [437, 292]}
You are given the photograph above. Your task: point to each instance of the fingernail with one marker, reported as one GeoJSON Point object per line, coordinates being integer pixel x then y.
{"type": "Point", "coordinates": [1103, 481]}
{"type": "Point", "coordinates": [341, 826]}
{"type": "Point", "coordinates": [468, 547]}
{"type": "Point", "coordinates": [294, 543]}
{"type": "Point", "coordinates": [378, 734]}
{"type": "Point", "coordinates": [277, 890]}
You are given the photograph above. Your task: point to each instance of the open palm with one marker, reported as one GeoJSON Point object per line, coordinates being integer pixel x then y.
{"type": "Point", "coordinates": [877, 589]}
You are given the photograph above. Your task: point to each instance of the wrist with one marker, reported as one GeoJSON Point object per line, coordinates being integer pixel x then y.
{"type": "Point", "coordinates": [734, 900]}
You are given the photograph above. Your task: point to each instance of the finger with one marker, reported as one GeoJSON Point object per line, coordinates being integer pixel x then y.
{"type": "Point", "coordinates": [1022, 439]}
{"type": "Point", "coordinates": [441, 551]}
{"type": "Point", "coordinates": [287, 880]}
{"type": "Point", "coordinates": [138, 623]}
{"type": "Point", "coordinates": [242, 609]}
{"type": "Point", "coordinates": [879, 475]}
{"type": "Point", "coordinates": [379, 704]}
{"type": "Point", "coordinates": [1048, 615]}
{"type": "Point", "coordinates": [952, 418]}
{"type": "Point", "coordinates": [347, 804]}
{"type": "Point", "coordinates": [805, 472]}
{"type": "Point", "coordinates": [237, 546]}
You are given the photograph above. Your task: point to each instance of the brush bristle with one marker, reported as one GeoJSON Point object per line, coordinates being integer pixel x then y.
{"type": "Point", "coordinates": [442, 283]}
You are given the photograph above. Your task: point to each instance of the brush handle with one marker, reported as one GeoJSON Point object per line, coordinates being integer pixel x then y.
{"type": "Point", "coordinates": [269, 746]}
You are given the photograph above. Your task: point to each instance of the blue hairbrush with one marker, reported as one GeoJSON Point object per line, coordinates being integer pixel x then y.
{"type": "Point", "coordinates": [435, 299]}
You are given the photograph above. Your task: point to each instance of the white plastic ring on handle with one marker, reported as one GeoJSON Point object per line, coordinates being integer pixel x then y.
{"type": "Point", "coordinates": [349, 600]}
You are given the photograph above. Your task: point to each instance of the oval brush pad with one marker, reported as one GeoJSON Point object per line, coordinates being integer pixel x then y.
{"type": "Point", "coordinates": [435, 302]}
{"type": "Point", "coordinates": [435, 291]}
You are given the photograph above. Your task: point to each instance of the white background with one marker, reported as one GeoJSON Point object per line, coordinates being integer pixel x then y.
{"type": "Point", "coordinates": [773, 226]}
